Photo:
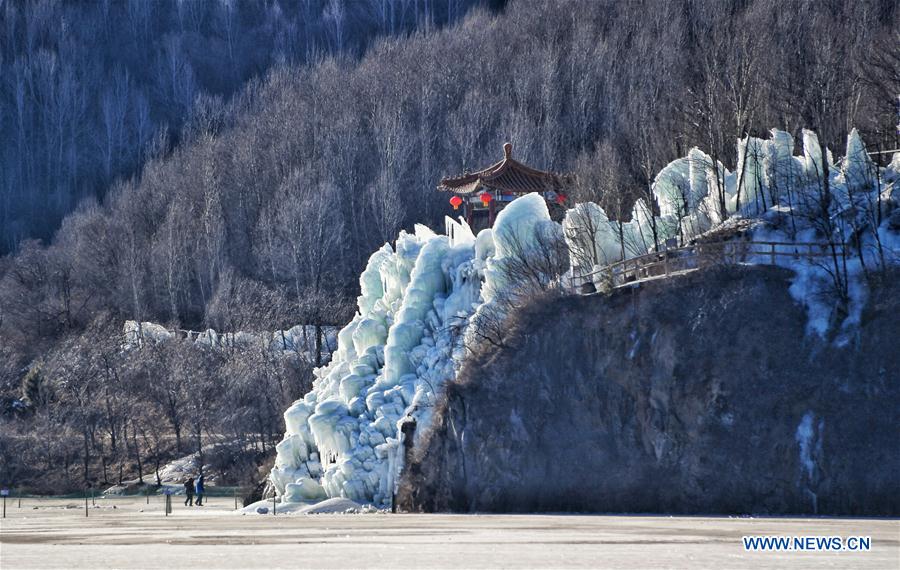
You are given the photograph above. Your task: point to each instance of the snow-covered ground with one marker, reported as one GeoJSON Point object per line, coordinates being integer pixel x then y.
{"type": "Point", "coordinates": [137, 535]}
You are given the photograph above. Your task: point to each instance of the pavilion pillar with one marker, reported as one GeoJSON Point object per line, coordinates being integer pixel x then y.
{"type": "Point", "coordinates": [491, 213]}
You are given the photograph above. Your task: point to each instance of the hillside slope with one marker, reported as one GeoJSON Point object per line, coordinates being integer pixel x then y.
{"type": "Point", "coordinates": [696, 395]}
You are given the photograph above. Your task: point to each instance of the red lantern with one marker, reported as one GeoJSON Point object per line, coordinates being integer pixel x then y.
{"type": "Point", "coordinates": [455, 202]}
{"type": "Point", "coordinates": [560, 199]}
{"type": "Point", "coordinates": [486, 198]}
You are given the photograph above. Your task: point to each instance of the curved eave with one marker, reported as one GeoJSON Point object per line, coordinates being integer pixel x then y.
{"type": "Point", "coordinates": [463, 189]}
{"type": "Point", "coordinates": [508, 175]}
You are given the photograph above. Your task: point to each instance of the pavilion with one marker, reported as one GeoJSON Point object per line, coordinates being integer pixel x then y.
{"type": "Point", "coordinates": [484, 193]}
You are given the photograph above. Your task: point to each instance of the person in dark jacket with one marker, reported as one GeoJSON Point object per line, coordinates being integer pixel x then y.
{"type": "Point", "coordinates": [189, 492]}
{"type": "Point", "coordinates": [199, 489]}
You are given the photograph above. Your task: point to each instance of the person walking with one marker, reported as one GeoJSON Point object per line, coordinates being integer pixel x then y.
{"type": "Point", "coordinates": [199, 489]}
{"type": "Point", "coordinates": [189, 492]}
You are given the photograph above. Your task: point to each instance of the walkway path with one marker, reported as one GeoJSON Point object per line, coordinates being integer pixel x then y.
{"type": "Point", "coordinates": [676, 261]}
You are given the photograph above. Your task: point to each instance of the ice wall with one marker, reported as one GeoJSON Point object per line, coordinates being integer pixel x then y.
{"type": "Point", "coordinates": [298, 339]}
{"type": "Point", "coordinates": [691, 191]}
{"type": "Point", "coordinates": [344, 439]}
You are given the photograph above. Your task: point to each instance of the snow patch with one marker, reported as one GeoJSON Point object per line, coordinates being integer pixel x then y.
{"type": "Point", "coordinates": [335, 505]}
{"type": "Point", "coordinates": [297, 339]}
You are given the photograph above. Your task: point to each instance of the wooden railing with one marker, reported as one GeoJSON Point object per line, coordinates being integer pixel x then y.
{"type": "Point", "coordinates": [678, 260]}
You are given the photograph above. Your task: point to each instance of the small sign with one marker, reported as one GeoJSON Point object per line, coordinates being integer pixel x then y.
{"type": "Point", "coordinates": [4, 492]}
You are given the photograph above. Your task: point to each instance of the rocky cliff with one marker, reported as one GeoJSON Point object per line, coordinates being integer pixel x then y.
{"type": "Point", "coordinates": [701, 394]}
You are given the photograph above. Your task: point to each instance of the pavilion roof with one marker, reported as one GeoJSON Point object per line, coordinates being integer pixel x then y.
{"type": "Point", "coordinates": [508, 175]}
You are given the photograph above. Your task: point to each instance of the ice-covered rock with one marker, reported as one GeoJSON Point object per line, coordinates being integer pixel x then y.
{"type": "Point", "coordinates": [343, 439]}
{"type": "Point", "coordinates": [307, 489]}
{"type": "Point", "coordinates": [420, 297]}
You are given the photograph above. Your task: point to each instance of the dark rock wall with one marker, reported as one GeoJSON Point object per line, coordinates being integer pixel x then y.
{"type": "Point", "coordinates": [683, 396]}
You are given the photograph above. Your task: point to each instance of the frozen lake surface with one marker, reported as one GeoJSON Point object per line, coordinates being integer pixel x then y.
{"type": "Point", "coordinates": [56, 534]}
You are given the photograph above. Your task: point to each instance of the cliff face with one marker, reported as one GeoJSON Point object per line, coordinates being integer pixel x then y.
{"type": "Point", "coordinates": [700, 394]}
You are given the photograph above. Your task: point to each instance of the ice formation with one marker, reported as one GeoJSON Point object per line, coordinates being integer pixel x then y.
{"type": "Point", "coordinates": [519, 229]}
{"type": "Point", "coordinates": [420, 297]}
{"type": "Point", "coordinates": [298, 339]}
{"type": "Point", "coordinates": [812, 165]}
{"type": "Point", "coordinates": [344, 439]}
{"type": "Point", "coordinates": [809, 442]}
{"type": "Point", "coordinates": [857, 168]}
{"type": "Point", "coordinates": [590, 236]}
{"type": "Point", "coordinates": [695, 193]}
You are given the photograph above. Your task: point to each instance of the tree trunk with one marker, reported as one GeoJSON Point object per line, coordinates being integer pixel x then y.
{"type": "Point", "coordinates": [176, 427]}
{"type": "Point", "coordinates": [200, 450]}
{"type": "Point", "coordinates": [137, 454]}
{"type": "Point", "coordinates": [318, 342]}
{"type": "Point", "coordinates": [87, 455]}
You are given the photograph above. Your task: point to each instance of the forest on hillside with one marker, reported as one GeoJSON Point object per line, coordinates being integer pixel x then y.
{"type": "Point", "coordinates": [262, 211]}
{"type": "Point", "coordinates": [91, 90]}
